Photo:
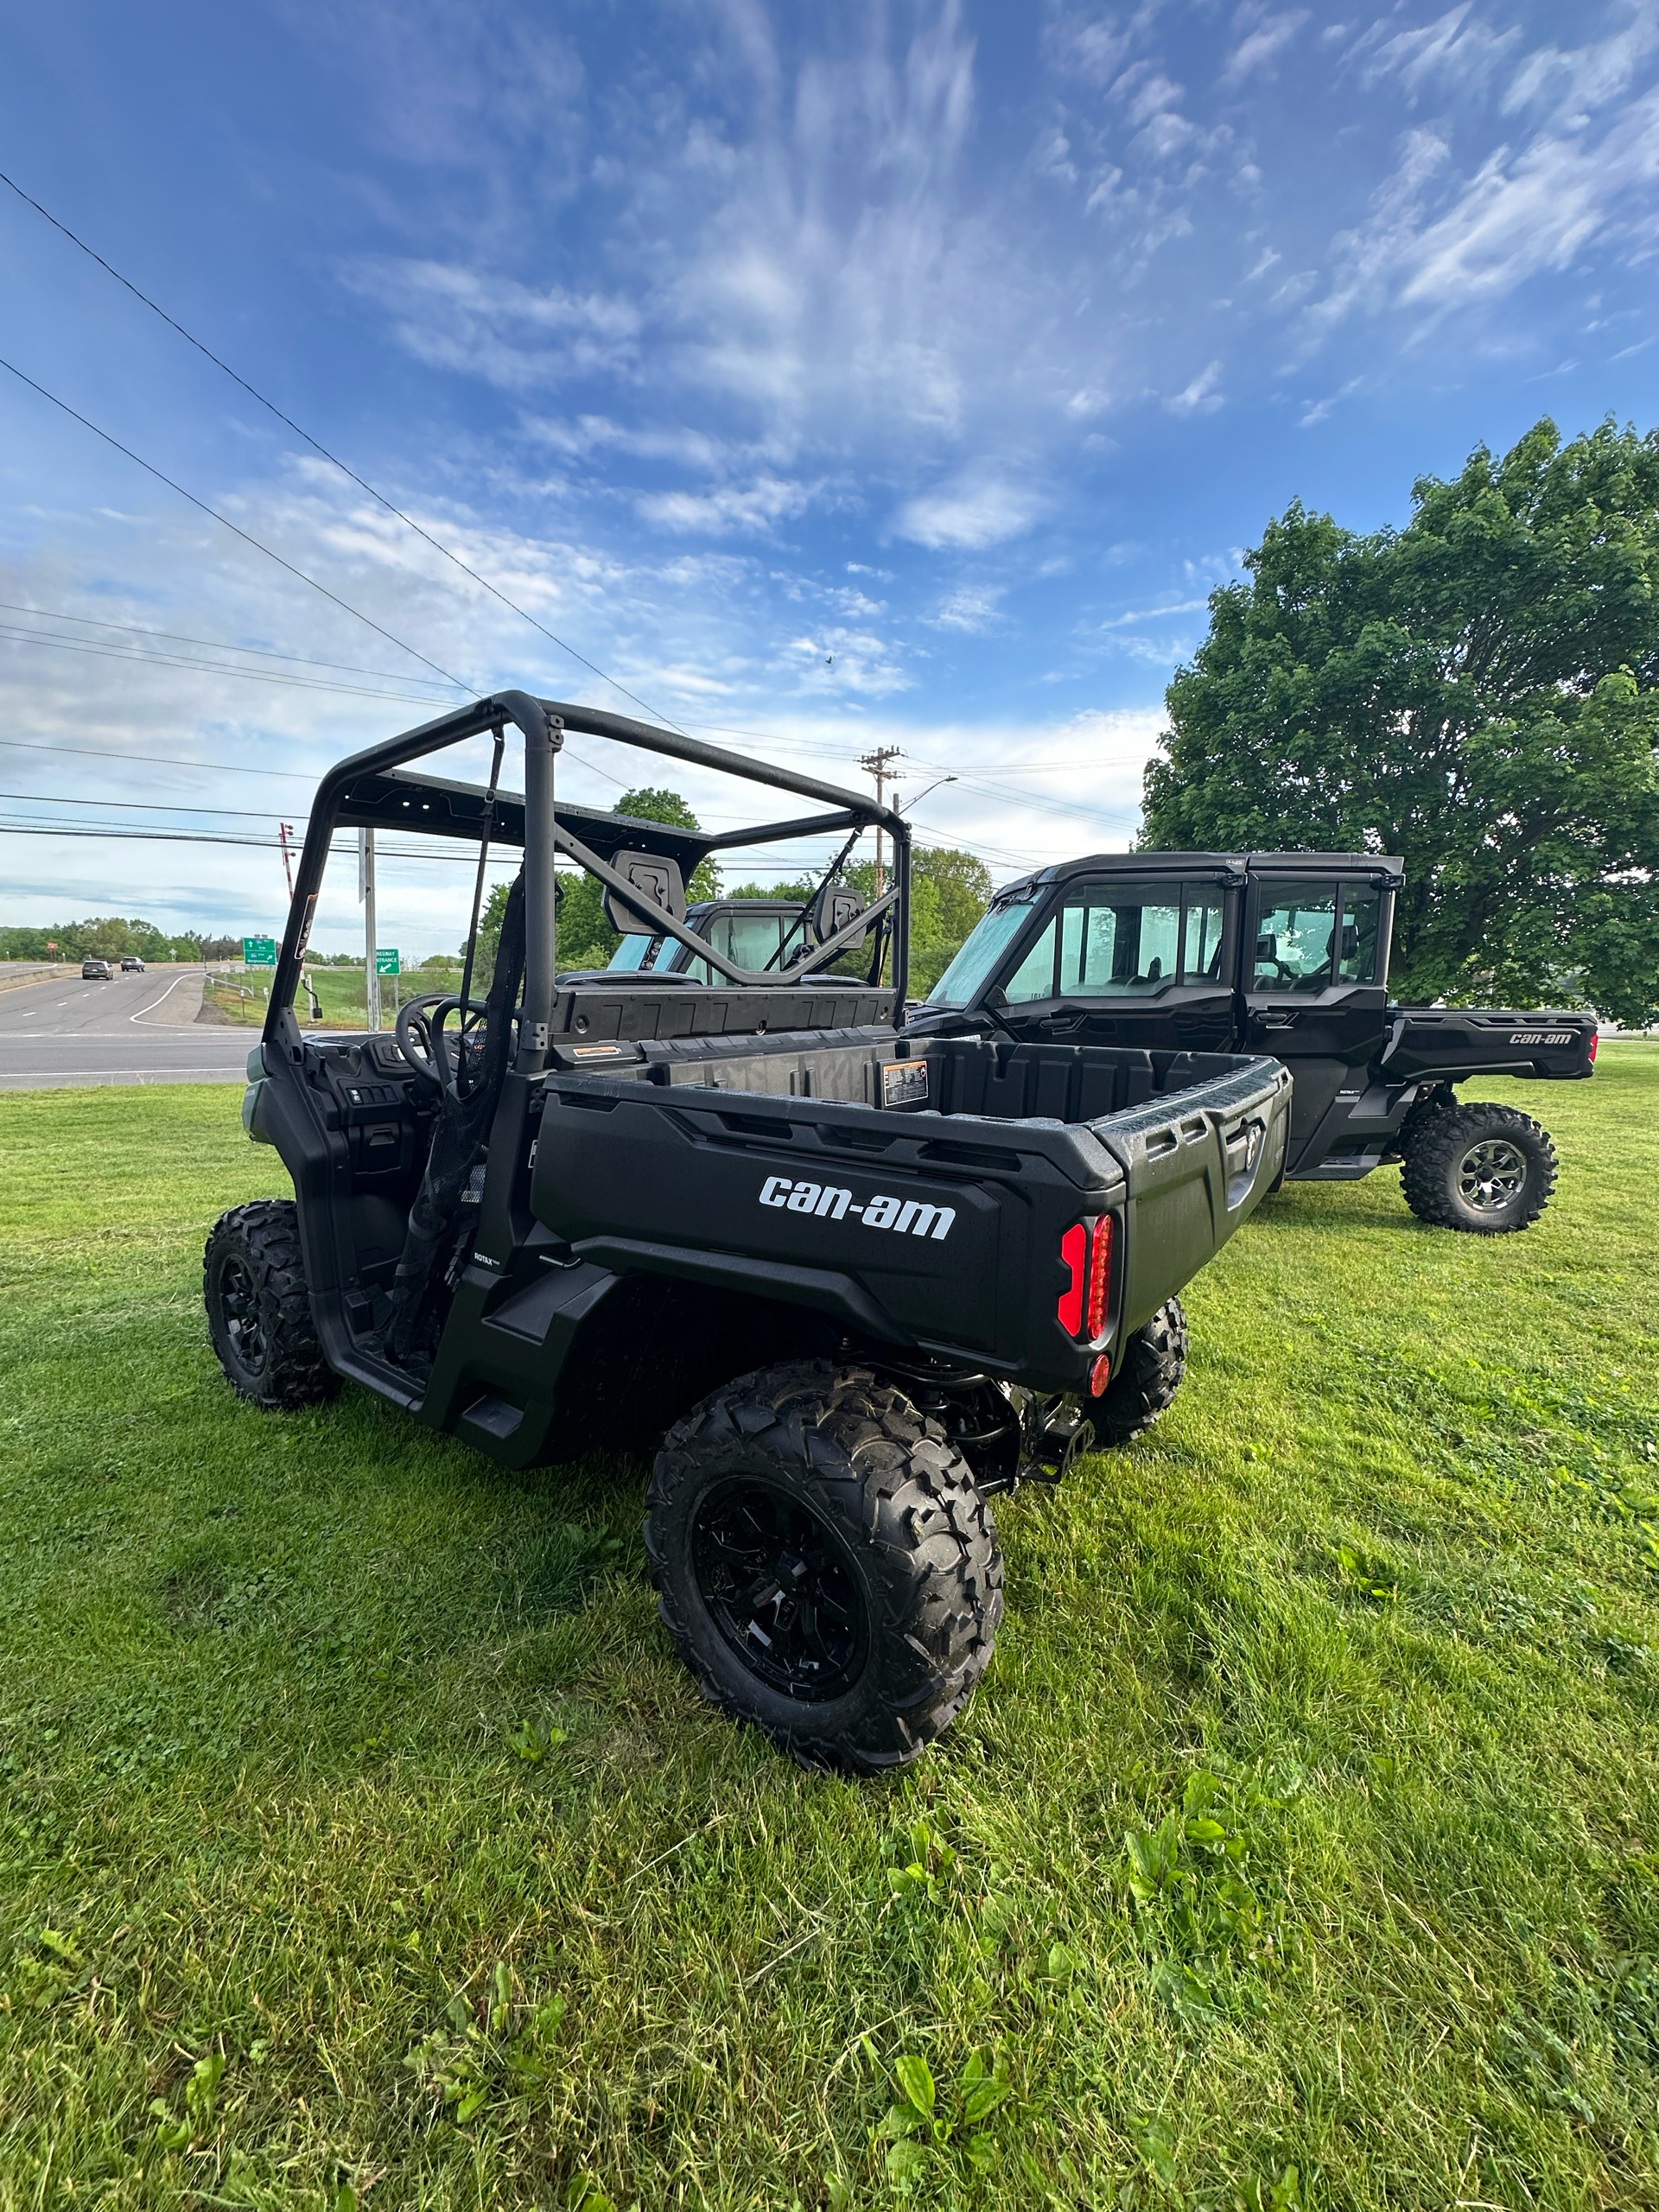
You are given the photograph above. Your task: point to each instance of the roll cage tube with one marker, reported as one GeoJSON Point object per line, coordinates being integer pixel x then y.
{"type": "Point", "coordinates": [543, 723]}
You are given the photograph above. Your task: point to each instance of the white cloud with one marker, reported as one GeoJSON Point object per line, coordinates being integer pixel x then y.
{"type": "Point", "coordinates": [1317, 409]}
{"type": "Point", "coordinates": [970, 513]}
{"type": "Point", "coordinates": [1153, 614]}
{"type": "Point", "coordinates": [1200, 397]}
{"type": "Point", "coordinates": [1261, 46]}
{"type": "Point", "coordinates": [1458, 52]}
{"type": "Point", "coordinates": [971, 607]}
{"type": "Point", "coordinates": [510, 333]}
{"type": "Point", "coordinates": [754, 509]}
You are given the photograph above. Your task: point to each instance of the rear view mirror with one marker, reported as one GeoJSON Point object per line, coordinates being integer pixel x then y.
{"type": "Point", "coordinates": [836, 906]}
{"type": "Point", "coordinates": [660, 885]}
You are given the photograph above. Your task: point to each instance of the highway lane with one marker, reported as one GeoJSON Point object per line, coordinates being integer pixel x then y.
{"type": "Point", "coordinates": [65, 1031]}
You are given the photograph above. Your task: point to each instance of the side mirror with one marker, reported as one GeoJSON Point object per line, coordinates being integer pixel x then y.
{"type": "Point", "coordinates": [660, 885]}
{"type": "Point", "coordinates": [1351, 941]}
{"type": "Point", "coordinates": [1267, 948]}
{"type": "Point", "coordinates": [834, 907]}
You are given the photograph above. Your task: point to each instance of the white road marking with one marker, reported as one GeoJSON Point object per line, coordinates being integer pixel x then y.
{"type": "Point", "coordinates": [154, 1003]}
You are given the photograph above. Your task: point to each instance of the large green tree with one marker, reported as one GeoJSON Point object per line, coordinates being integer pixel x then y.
{"type": "Point", "coordinates": [1477, 691]}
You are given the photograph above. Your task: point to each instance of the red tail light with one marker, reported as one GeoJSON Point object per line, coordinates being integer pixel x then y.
{"type": "Point", "coordinates": [1086, 1249]}
{"type": "Point", "coordinates": [1595, 1040]}
{"type": "Point", "coordinates": [1099, 1376]}
{"type": "Point", "coordinates": [1073, 1250]}
{"type": "Point", "coordinates": [1100, 1275]}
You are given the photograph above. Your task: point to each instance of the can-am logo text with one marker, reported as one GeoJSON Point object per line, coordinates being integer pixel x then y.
{"type": "Point", "coordinates": [1543, 1037]}
{"type": "Point", "coordinates": [827, 1202]}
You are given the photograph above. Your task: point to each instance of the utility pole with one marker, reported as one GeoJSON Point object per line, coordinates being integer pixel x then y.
{"type": "Point", "coordinates": [365, 892]}
{"type": "Point", "coordinates": [284, 831]}
{"type": "Point", "coordinates": [877, 765]}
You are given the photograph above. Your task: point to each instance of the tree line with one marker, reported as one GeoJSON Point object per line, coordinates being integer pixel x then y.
{"type": "Point", "coordinates": [112, 937]}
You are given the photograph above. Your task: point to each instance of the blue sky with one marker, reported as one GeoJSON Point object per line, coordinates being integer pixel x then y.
{"type": "Point", "coordinates": [840, 375]}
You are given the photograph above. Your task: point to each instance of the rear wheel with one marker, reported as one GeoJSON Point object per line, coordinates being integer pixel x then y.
{"type": "Point", "coordinates": [1150, 1371]}
{"type": "Point", "coordinates": [258, 1314]}
{"type": "Point", "coordinates": [827, 1567]}
{"type": "Point", "coordinates": [1480, 1168]}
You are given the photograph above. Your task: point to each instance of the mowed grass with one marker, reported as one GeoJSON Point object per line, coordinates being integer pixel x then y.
{"type": "Point", "coordinates": [363, 1843]}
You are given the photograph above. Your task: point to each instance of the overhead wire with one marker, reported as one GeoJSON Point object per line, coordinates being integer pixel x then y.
{"type": "Point", "coordinates": [98, 651]}
{"type": "Point", "coordinates": [212, 644]}
{"type": "Point", "coordinates": [247, 537]}
{"type": "Point", "coordinates": [333, 459]}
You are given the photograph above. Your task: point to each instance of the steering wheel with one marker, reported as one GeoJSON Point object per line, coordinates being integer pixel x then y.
{"type": "Point", "coordinates": [423, 1044]}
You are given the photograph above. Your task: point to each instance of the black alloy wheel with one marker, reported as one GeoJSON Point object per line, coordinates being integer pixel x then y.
{"type": "Point", "coordinates": [258, 1314]}
{"type": "Point", "coordinates": [824, 1563]}
{"type": "Point", "coordinates": [239, 1304]}
{"type": "Point", "coordinates": [781, 1588]}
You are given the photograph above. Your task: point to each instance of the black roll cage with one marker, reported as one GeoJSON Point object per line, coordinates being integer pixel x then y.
{"type": "Point", "coordinates": [367, 792]}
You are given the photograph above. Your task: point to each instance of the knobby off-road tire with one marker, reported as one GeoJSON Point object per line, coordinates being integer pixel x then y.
{"type": "Point", "coordinates": [825, 1564]}
{"type": "Point", "coordinates": [1483, 1168]}
{"type": "Point", "coordinates": [1150, 1373]}
{"type": "Point", "coordinates": [253, 1283]}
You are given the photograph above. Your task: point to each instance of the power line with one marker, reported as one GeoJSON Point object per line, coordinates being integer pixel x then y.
{"type": "Point", "coordinates": [247, 538]}
{"type": "Point", "coordinates": [212, 645]}
{"type": "Point", "coordinates": [157, 759]}
{"type": "Point", "coordinates": [138, 805]}
{"type": "Point", "coordinates": [333, 459]}
{"type": "Point", "coordinates": [101, 651]}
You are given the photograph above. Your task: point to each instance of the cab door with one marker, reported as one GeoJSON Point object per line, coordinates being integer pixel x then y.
{"type": "Point", "coordinates": [1315, 993]}
{"type": "Point", "coordinates": [1147, 961]}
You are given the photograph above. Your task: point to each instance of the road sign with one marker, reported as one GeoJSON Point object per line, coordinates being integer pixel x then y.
{"type": "Point", "coordinates": [258, 952]}
{"type": "Point", "coordinates": [385, 961]}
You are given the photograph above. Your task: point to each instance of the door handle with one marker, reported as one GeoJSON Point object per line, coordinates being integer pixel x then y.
{"type": "Point", "coordinates": [1279, 1020]}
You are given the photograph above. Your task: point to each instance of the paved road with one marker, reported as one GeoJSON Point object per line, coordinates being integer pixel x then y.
{"type": "Point", "coordinates": [68, 1031]}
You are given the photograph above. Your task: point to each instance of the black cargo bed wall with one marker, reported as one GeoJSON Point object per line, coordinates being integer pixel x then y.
{"type": "Point", "coordinates": [1057, 1083]}
{"type": "Point", "coordinates": [592, 1014]}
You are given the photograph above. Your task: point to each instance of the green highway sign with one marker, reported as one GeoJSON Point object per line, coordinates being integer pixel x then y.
{"type": "Point", "coordinates": [259, 952]}
{"type": "Point", "coordinates": [385, 961]}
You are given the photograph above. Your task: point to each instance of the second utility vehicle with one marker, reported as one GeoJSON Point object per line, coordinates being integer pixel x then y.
{"type": "Point", "coordinates": [850, 1285]}
{"type": "Point", "coordinates": [1285, 953]}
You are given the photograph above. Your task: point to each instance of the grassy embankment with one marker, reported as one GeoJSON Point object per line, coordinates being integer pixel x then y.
{"type": "Point", "coordinates": [361, 1840]}
{"type": "Point", "coordinates": [244, 996]}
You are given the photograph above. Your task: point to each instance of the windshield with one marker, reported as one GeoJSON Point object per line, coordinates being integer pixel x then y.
{"type": "Point", "coordinates": [962, 978]}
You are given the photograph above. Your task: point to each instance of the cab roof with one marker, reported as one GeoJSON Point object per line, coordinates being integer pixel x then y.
{"type": "Point", "coordinates": [1225, 867]}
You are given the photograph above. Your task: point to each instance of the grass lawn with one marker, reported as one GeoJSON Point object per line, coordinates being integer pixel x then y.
{"type": "Point", "coordinates": [362, 1843]}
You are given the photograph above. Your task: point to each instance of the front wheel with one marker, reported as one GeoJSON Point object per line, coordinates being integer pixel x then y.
{"type": "Point", "coordinates": [1480, 1168]}
{"type": "Point", "coordinates": [826, 1566]}
{"type": "Point", "coordinates": [258, 1314]}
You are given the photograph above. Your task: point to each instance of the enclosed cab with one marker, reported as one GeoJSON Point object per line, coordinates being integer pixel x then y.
{"type": "Point", "coordinates": [1285, 953]}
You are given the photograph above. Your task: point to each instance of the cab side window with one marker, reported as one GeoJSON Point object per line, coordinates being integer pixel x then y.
{"type": "Point", "coordinates": [1034, 977]}
{"type": "Point", "coordinates": [1201, 958]}
{"type": "Point", "coordinates": [1361, 907]}
{"type": "Point", "coordinates": [1120, 939]}
{"type": "Point", "coordinates": [1296, 936]}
